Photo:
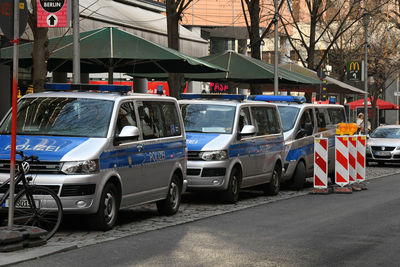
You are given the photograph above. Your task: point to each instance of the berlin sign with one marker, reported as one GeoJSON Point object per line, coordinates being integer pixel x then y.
{"type": "Point", "coordinates": [52, 13]}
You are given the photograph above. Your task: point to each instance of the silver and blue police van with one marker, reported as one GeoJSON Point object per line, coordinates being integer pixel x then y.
{"type": "Point", "coordinates": [302, 122]}
{"type": "Point", "coordinates": [101, 151]}
{"type": "Point", "coordinates": [232, 144]}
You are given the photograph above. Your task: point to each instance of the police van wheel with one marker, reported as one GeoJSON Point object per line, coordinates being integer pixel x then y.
{"type": "Point", "coordinates": [106, 216]}
{"type": "Point", "coordinates": [299, 177]}
{"type": "Point", "coordinates": [170, 205]}
{"type": "Point", "coordinates": [273, 187]}
{"type": "Point", "coordinates": [231, 194]}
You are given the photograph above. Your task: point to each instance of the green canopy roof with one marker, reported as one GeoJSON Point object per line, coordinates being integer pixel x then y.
{"type": "Point", "coordinates": [112, 48]}
{"type": "Point", "coordinates": [242, 69]}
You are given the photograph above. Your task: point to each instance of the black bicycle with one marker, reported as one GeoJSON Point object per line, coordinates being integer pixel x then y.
{"type": "Point", "coordinates": [34, 205]}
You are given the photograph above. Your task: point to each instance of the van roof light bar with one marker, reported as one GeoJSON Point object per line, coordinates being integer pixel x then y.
{"type": "Point", "coordinates": [213, 96]}
{"type": "Point", "coordinates": [278, 98]}
{"type": "Point", "coordinates": [87, 87]}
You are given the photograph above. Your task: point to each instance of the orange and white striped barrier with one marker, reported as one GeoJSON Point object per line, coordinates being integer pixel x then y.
{"type": "Point", "coordinates": [352, 159]}
{"type": "Point", "coordinates": [361, 151]}
{"type": "Point", "coordinates": [342, 164]}
{"type": "Point", "coordinates": [320, 166]}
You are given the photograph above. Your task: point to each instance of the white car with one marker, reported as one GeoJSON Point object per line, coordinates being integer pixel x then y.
{"type": "Point", "coordinates": [383, 145]}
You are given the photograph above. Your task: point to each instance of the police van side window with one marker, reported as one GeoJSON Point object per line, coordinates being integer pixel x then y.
{"type": "Point", "coordinates": [126, 116]}
{"type": "Point", "coordinates": [244, 118]}
{"type": "Point", "coordinates": [264, 120]}
{"type": "Point", "coordinates": [336, 115]}
{"type": "Point", "coordinates": [306, 126]}
{"type": "Point", "coordinates": [322, 119]}
{"type": "Point", "coordinates": [170, 114]}
{"type": "Point", "coordinates": [158, 119]}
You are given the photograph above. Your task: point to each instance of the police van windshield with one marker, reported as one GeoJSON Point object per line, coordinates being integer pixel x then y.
{"type": "Point", "coordinates": [205, 118]}
{"type": "Point", "coordinates": [288, 116]}
{"type": "Point", "coordinates": [60, 116]}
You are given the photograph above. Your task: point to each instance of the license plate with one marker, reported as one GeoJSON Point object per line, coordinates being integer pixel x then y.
{"type": "Point", "coordinates": [22, 203]}
{"type": "Point", "coordinates": [382, 153]}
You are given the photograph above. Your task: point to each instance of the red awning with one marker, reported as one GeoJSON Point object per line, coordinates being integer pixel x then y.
{"type": "Point", "coordinates": [381, 104]}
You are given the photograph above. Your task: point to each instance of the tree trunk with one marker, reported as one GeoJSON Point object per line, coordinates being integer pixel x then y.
{"type": "Point", "coordinates": [255, 41]}
{"type": "Point", "coordinates": [40, 51]}
{"type": "Point", "coordinates": [175, 80]}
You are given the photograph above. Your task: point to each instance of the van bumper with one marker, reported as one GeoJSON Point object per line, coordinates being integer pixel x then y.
{"type": "Point", "coordinates": [208, 175]}
{"type": "Point", "coordinates": [79, 194]}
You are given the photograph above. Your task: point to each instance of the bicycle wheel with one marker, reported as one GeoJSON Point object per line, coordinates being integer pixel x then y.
{"type": "Point", "coordinates": [46, 215]}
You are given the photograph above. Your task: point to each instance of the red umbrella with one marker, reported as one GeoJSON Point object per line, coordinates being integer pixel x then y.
{"type": "Point", "coordinates": [381, 104]}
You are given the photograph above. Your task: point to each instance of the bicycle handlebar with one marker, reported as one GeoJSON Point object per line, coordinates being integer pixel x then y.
{"type": "Point", "coordinates": [25, 158]}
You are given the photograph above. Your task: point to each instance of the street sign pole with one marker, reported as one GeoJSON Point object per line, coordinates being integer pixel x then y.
{"type": "Point", "coordinates": [14, 113]}
{"type": "Point", "coordinates": [76, 52]}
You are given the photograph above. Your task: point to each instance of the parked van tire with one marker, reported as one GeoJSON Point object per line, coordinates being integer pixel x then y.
{"type": "Point", "coordinates": [299, 177]}
{"type": "Point", "coordinates": [273, 187]}
{"type": "Point", "coordinates": [231, 194]}
{"type": "Point", "coordinates": [170, 205]}
{"type": "Point", "coordinates": [107, 213]}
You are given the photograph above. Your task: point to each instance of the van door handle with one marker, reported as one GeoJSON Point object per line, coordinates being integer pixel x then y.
{"type": "Point", "coordinates": [139, 148]}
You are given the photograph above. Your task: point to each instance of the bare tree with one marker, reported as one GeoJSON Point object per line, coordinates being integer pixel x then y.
{"type": "Point", "coordinates": [252, 13]}
{"type": "Point", "coordinates": [174, 10]}
{"type": "Point", "coordinates": [383, 61]}
{"type": "Point", "coordinates": [40, 51]}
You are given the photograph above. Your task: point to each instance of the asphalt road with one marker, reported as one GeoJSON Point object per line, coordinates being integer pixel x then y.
{"type": "Point", "coordinates": [359, 229]}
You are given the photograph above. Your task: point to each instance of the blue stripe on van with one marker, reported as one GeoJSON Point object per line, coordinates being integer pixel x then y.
{"type": "Point", "coordinates": [257, 146]}
{"type": "Point", "coordinates": [47, 148]}
{"type": "Point", "coordinates": [295, 154]}
{"type": "Point", "coordinates": [151, 153]}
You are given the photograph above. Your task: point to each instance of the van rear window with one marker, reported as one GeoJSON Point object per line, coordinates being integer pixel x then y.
{"type": "Point", "coordinates": [50, 116]}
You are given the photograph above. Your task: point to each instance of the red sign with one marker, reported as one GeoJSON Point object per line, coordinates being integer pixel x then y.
{"type": "Point", "coordinates": [52, 13]}
{"type": "Point", "coordinates": [218, 88]}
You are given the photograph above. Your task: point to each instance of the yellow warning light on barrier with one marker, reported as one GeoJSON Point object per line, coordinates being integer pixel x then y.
{"type": "Point", "coordinates": [352, 128]}
{"type": "Point", "coordinates": [346, 128]}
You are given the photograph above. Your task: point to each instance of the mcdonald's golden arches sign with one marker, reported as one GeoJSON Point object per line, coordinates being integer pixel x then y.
{"type": "Point", "coordinates": [353, 69]}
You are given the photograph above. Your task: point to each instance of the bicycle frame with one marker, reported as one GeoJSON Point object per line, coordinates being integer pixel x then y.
{"type": "Point", "coordinates": [20, 176]}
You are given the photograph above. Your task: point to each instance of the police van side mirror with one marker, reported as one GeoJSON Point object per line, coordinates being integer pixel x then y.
{"type": "Point", "coordinates": [301, 133]}
{"type": "Point", "coordinates": [308, 127]}
{"type": "Point", "coordinates": [128, 133]}
{"type": "Point", "coordinates": [247, 130]}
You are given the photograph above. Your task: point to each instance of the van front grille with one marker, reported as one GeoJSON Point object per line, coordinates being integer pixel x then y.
{"type": "Point", "coordinates": [194, 155]}
{"type": "Point", "coordinates": [35, 167]}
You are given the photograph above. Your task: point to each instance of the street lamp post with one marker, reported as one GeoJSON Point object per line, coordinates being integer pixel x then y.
{"type": "Point", "coordinates": [365, 23]}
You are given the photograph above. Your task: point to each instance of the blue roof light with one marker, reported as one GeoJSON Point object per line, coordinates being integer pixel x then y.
{"type": "Point", "coordinates": [278, 98]}
{"type": "Point", "coordinates": [87, 87]}
{"type": "Point", "coordinates": [213, 96]}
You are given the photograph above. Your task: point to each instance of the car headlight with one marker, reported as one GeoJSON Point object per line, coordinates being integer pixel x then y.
{"type": "Point", "coordinates": [214, 155]}
{"type": "Point", "coordinates": [398, 148]}
{"type": "Point", "coordinates": [80, 167]}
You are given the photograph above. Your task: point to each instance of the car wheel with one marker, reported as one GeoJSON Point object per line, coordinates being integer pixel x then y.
{"type": "Point", "coordinates": [299, 177]}
{"type": "Point", "coordinates": [273, 187]}
{"type": "Point", "coordinates": [170, 205]}
{"type": "Point", "coordinates": [107, 213]}
{"type": "Point", "coordinates": [231, 194]}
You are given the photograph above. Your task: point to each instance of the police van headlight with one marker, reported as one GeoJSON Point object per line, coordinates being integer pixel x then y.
{"type": "Point", "coordinates": [80, 167]}
{"type": "Point", "coordinates": [214, 155]}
